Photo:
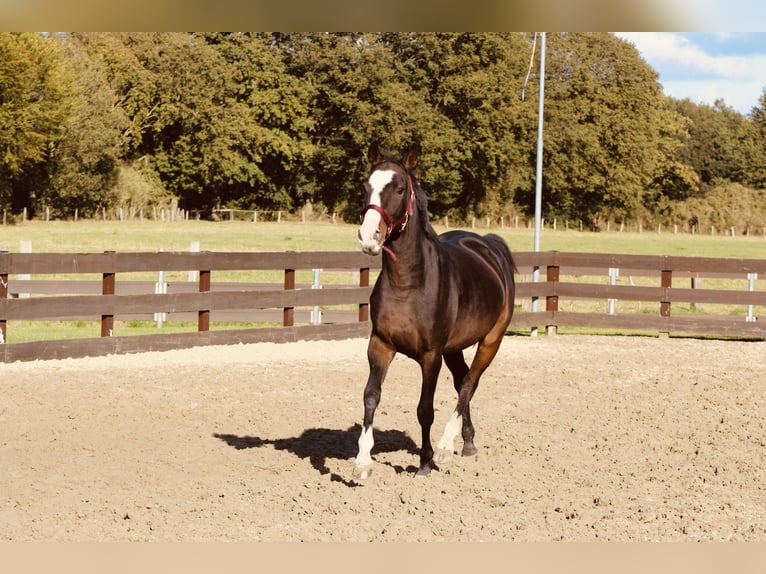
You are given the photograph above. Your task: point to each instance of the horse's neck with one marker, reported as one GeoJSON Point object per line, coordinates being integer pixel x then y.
{"type": "Point", "coordinates": [415, 253]}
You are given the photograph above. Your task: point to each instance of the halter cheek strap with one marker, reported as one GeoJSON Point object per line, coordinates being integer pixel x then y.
{"type": "Point", "coordinates": [393, 229]}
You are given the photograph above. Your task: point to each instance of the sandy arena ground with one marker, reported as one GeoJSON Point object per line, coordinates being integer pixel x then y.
{"type": "Point", "coordinates": [580, 438]}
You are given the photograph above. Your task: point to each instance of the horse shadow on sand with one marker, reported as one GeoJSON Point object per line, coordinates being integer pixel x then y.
{"type": "Point", "coordinates": [320, 444]}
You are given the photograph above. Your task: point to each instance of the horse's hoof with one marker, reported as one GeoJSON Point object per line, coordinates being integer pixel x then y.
{"type": "Point", "coordinates": [470, 450]}
{"type": "Point", "coordinates": [423, 471]}
{"type": "Point", "coordinates": [362, 472]}
{"type": "Point", "coordinates": [443, 456]}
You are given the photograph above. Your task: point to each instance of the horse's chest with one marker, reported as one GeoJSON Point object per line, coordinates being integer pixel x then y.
{"type": "Point", "coordinates": [410, 320]}
{"type": "Point", "coordinates": [400, 305]}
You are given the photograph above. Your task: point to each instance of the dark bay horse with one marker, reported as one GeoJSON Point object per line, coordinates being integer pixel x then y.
{"type": "Point", "coordinates": [435, 296]}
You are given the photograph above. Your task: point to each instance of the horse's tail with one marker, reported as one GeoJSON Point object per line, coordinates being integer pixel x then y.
{"type": "Point", "coordinates": [504, 257]}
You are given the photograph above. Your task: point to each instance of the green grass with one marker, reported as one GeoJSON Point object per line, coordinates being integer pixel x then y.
{"type": "Point", "coordinates": [147, 236]}
{"type": "Point", "coordinates": [151, 236]}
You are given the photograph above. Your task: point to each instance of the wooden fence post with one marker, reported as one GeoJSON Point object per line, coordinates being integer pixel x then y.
{"type": "Point", "coordinates": [364, 281]}
{"type": "Point", "coordinates": [203, 315]}
{"type": "Point", "coordinates": [107, 288]}
{"type": "Point", "coordinates": [552, 301]}
{"type": "Point", "coordinates": [666, 282]}
{"type": "Point", "coordinates": [288, 314]}
{"type": "Point", "coordinates": [3, 295]}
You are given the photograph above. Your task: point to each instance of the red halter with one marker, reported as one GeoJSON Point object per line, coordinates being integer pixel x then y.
{"type": "Point", "coordinates": [393, 229]}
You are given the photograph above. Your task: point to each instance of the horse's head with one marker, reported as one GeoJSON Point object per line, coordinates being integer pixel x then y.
{"type": "Point", "coordinates": [389, 199]}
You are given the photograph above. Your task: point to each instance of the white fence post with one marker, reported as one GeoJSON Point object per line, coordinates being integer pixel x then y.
{"type": "Point", "coordinates": [160, 288]}
{"type": "Point", "coordinates": [316, 312]}
{"type": "Point", "coordinates": [751, 279]}
{"type": "Point", "coordinates": [614, 272]}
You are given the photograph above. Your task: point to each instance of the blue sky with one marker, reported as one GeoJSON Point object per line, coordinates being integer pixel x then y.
{"type": "Point", "coordinates": [703, 66]}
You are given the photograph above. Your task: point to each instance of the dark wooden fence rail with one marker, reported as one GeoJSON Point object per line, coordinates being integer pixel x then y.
{"type": "Point", "coordinates": [112, 297]}
{"type": "Point", "coordinates": [206, 298]}
{"type": "Point", "coordinates": [666, 270]}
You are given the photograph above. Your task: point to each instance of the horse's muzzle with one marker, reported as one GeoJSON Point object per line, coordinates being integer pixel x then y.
{"type": "Point", "coordinates": [370, 245]}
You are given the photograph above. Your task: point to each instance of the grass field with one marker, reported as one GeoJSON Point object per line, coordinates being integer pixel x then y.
{"type": "Point", "coordinates": [150, 236]}
{"type": "Point", "coordinates": [98, 236]}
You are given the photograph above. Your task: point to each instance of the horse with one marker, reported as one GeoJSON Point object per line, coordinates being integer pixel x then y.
{"type": "Point", "coordinates": [436, 295]}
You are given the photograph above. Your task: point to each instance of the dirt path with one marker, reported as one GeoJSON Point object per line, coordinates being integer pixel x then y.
{"type": "Point", "coordinates": [580, 438]}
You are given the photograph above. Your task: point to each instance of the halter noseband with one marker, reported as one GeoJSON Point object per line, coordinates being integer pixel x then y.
{"type": "Point", "coordinates": [393, 229]}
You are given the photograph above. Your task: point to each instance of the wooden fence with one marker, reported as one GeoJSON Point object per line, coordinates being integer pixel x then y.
{"type": "Point", "coordinates": [562, 277]}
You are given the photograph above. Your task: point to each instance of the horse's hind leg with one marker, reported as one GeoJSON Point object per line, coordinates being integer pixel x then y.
{"type": "Point", "coordinates": [459, 369]}
{"type": "Point", "coordinates": [466, 387]}
{"type": "Point", "coordinates": [379, 356]}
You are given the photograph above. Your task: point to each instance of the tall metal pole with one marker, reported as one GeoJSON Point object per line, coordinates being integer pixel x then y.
{"type": "Point", "coordinates": [539, 171]}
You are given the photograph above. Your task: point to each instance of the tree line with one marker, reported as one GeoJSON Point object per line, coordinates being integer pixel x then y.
{"type": "Point", "coordinates": [271, 121]}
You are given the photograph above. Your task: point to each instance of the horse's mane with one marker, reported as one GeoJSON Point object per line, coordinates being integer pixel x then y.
{"type": "Point", "coordinates": [421, 201]}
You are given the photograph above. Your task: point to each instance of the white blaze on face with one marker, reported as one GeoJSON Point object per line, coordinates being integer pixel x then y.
{"type": "Point", "coordinates": [369, 238]}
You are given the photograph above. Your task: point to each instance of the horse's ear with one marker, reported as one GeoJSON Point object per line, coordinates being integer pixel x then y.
{"type": "Point", "coordinates": [411, 157]}
{"type": "Point", "coordinates": [373, 154]}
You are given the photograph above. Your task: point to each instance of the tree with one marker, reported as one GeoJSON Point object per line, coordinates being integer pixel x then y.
{"type": "Point", "coordinates": [213, 115]}
{"type": "Point", "coordinates": [603, 116]}
{"type": "Point", "coordinates": [84, 164]}
{"type": "Point", "coordinates": [359, 96]}
{"type": "Point", "coordinates": [35, 102]}
{"type": "Point", "coordinates": [674, 179]}
{"type": "Point", "coordinates": [757, 167]}
{"type": "Point", "coordinates": [721, 142]}
{"type": "Point", "coordinates": [276, 132]}
{"type": "Point", "coordinates": [474, 82]}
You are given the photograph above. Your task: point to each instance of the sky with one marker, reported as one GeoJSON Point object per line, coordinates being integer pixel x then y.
{"type": "Point", "coordinates": [704, 66]}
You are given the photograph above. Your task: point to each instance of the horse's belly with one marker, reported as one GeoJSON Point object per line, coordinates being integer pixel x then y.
{"type": "Point", "coordinates": [460, 339]}
{"type": "Point", "coordinates": [475, 318]}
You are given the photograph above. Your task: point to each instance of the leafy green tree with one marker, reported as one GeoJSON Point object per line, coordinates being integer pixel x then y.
{"type": "Point", "coordinates": [721, 142]}
{"type": "Point", "coordinates": [474, 82]}
{"type": "Point", "coordinates": [133, 85]}
{"type": "Point", "coordinates": [360, 96]}
{"type": "Point", "coordinates": [674, 179]}
{"type": "Point", "coordinates": [212, 114]}
{"type": "Point", "coordinates": [84, 164]}
{"type": "Point", "coordinates": [190, 115]}
{"type": "Point", "coordinates": [35, 102]}
{"type": "Point", "coordinates": [269, 121]}
{"type": "Point", "coordinates": [275, 136]}
{"type": "Point", "coordinates": [603, 118]}
{"type": "Point", "coordinates": [757, 167]}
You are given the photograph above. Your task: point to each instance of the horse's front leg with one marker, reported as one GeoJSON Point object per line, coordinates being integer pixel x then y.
{"type": "Point", "coordinates": [379, 356]}
{"type": "Point", "coordinates": [430, 365]}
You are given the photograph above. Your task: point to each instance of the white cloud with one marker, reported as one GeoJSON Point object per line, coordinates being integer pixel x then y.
{"type": "Point", "coordinates": [688, 71]}
{"type": "Point", "coordinates": [738, 95]}
{"type": "Point", "coordinates": [679, 50]}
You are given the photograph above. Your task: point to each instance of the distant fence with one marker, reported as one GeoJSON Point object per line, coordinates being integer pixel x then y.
{"type": "Point", "coordinates": [591, 277]}
{"type": "Point", "coordinates": [664, 272]}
